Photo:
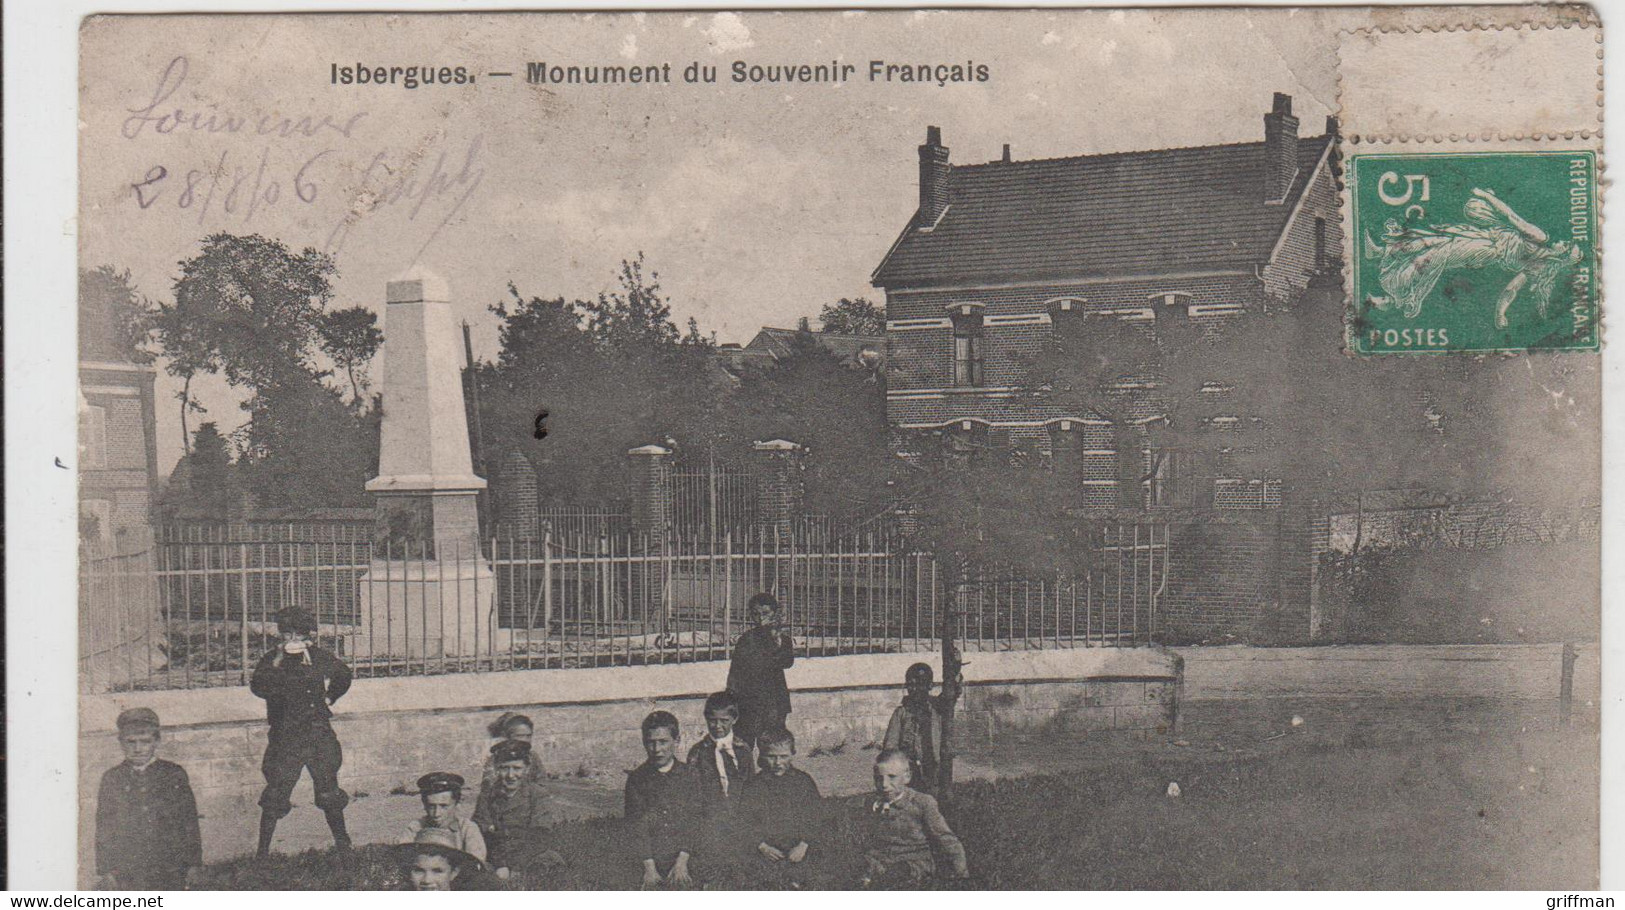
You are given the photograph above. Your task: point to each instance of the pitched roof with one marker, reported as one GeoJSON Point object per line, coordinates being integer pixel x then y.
{"type": "Point", "coordinates": [1129, 213]}
{"type": "Point", "coordinates": [848, 347]}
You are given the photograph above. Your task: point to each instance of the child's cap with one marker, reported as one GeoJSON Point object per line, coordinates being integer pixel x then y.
{"type": "Point", "coordinates": [143, 718]}
{"type": "Point", "coordinates": [295, 619]}
{"type": "Point", "coordinates": [506, 722]}
{"type": "Point", "coordinates": [918, 673]}
{"type": "Point", "coordinates": [510, 750]}
{"type": "Point", "coordinates": [438, 842]}
{"type": "Point", "coordinates": [440, 782]}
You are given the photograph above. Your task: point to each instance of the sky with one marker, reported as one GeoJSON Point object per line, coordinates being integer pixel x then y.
{"type": "Point", "coordinates": [755, 204]}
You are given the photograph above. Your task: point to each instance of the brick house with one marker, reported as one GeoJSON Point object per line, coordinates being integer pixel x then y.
{"type": "Point", "coordinates": [118, 440]}
{"type": "Point", "coordinates": [998, 253]}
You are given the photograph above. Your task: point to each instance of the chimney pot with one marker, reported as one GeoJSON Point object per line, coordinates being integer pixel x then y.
{"type": "Point", "coordinates": [934, 175]}
{"type": "Point", "coordinates": [1280, 149]}
{"type": "Point", "coordinates": [1007, 153]}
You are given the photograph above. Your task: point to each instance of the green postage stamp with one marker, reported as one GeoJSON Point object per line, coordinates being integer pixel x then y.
{"type": "Point", "coordinates": [1493, 251]}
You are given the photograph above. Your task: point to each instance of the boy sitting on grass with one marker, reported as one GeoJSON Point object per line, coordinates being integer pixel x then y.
{"type": "Point", "coordinates": [147, 835]}
{"type": "Point", "coordinates": [442, 794]}
{"type": "Point", "coordinates": [781, 803]}
{"type": "Point", "coordinates": [512, 807]}
{"type": "Point", "coordinates": [510, 727]}
{"type": "Point", "coordinates": [662, 804]}
{"type": "Point", "coordinates": [720, 760]}
{"type": "Point", "coordinates": [906, 829]}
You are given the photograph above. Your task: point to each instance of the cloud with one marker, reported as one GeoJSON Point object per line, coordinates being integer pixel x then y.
{"type": "Point", "coordinates": [727, 32]}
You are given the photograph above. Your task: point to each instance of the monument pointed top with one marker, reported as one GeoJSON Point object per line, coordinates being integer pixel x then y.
{"type": "Point", "coordinates": [416, 285]}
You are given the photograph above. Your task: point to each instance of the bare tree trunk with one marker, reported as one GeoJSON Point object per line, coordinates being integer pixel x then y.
{"type": "Point", "coordinates": [1359, 520]}
{"type": "Point", "coordinates": [186, 406]}
{"type": "Point", "coordinates": [952, 666]}
{"type": "Point", "coordinates": [355, 388]}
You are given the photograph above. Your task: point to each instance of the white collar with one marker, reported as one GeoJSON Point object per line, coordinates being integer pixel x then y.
{"type": "Point", "coordinates": [144, 765]}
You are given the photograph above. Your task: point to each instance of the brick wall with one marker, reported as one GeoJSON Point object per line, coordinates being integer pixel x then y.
{"type": "Point", "coordinates": [1242, 576]}
{"type": "Point", "coordinates": [922, 358]}
{"type": "Point", "coordinates": [1289, 272]}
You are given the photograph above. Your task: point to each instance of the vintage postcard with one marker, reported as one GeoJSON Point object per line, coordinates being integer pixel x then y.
{"type": "Point", "coordinates": [893, 449]}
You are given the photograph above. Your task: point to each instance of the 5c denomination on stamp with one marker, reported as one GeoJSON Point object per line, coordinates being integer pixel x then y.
{"type": "Point", "coordinates": [1474, 252]}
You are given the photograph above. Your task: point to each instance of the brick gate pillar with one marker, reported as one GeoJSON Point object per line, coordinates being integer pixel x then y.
{"type": "Point", "coordinates": [649, 490]}
{"type": "Point", "coordinates": [650, 495]}
{"type": "Point", "coordinates": [779, 487]}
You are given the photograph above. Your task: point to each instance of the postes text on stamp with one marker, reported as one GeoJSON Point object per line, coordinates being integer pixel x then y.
{"type": "Point", "coordinates": [1474, 252]}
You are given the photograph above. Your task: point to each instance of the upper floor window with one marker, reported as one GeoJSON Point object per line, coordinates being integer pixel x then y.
{"type": "Point", "coordinates": [1171, 478]}
{"type": "Point", "coordinates": [1320, 243]}
{"type": "Point", "coordinates": [968, 343]}
{"type": "Point", "coordinates": [93, 437]}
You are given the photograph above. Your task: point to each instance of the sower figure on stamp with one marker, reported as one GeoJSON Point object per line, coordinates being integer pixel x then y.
{"type": "Point", "coordinates": [300, 682]}
{"type": "Point", "coordinates": [1413, 259]}
{"type": "Point", "coordinates": [756, 674]}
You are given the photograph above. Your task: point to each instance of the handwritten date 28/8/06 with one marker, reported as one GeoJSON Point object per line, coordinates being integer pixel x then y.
{"type": "Point", "coordinates": [237, 186]}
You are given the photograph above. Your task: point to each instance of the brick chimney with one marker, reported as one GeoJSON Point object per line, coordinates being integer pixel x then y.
{"type": "Point", "coordinates": [934, 171]}
{"type": "Point", "coordinates": [1280, 149]}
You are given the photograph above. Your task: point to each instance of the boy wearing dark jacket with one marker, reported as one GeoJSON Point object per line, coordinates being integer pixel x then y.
{"type": "Point", "coordinates": [300, 682]}
{"type": "Point", "coordinates": [147, 836]}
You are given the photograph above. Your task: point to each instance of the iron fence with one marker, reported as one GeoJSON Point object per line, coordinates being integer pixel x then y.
{"type": "Point", "coordinates": [201, 614]}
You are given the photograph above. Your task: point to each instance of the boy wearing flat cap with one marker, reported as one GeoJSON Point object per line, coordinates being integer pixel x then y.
{"type": "Point", "coordinates": [512, 808]}
{"type": "Point", "coordinates": [147, 835]}
{"type": "Point", "coordinates": [300, 682]}
{"type": "Point", "coordinates": [442, 794]}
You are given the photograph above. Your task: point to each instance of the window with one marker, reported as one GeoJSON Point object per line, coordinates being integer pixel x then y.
{"type": "Point", "coordinates": [93, 437]}
{"type": "Point", "coordinates": [1320, 243]}
{"type": "Point", "coordinates": [967, 320]}
{"type": "Point", "coordinates": [1170, 481]}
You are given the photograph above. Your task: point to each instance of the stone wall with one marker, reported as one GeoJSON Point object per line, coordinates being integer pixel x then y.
{"type": "Point", "coordinates": [394, 730]}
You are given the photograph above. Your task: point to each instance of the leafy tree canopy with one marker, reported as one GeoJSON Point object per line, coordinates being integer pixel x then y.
{"type": "Point", "coordinates": [853, 316]}
{"type": "Point", "coordinates": [115, 321]}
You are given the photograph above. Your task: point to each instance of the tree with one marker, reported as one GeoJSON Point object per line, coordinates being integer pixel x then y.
{"type": "Point", "coordinates": [853, 316]}
{"type": "Point", "coordinates": [255, 311]}
{"type": "Point", "coordinates": [612, 373]}
{"type": "Point", "coordinates": [258, 306]}
{"type": "Point", "coordinates": [351, 337]}
{"type": "Point", "coordinates": [181, 336]}
{"type": "Point", "coordinates": [306, 448]}
{"type": "Point", "coordinates": [813, 398]}
{"type": "Point", "coordinates": [202, 483]}
{"type": "Point", "coordinates": [115, 320]}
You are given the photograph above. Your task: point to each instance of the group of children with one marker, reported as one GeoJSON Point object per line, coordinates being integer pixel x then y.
{"type": "Point", "coordinates": [732, 801]}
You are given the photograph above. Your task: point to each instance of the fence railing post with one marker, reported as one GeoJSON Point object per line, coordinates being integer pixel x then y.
{"type": "Point", "coordinates": [547, 583]}
{"type": "Point", "coordinates": [242, 567]}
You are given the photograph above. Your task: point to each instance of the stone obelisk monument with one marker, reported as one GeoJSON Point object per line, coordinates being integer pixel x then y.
{"type": "Point", "coordinates": [429, 591]}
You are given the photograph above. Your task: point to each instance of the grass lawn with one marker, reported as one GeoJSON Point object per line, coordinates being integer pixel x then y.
{"type": "Point", "coordinates": [1500, 810]}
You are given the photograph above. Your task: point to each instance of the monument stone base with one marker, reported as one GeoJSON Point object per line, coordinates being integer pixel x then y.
{"type": "Point", "coordinates": [422, 609]}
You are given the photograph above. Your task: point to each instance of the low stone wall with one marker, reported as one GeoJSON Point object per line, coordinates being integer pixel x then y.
{"type": "Point", "coordinates": [587, 721]}
{"type": "Point", "coordinates": [1523, 671]}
